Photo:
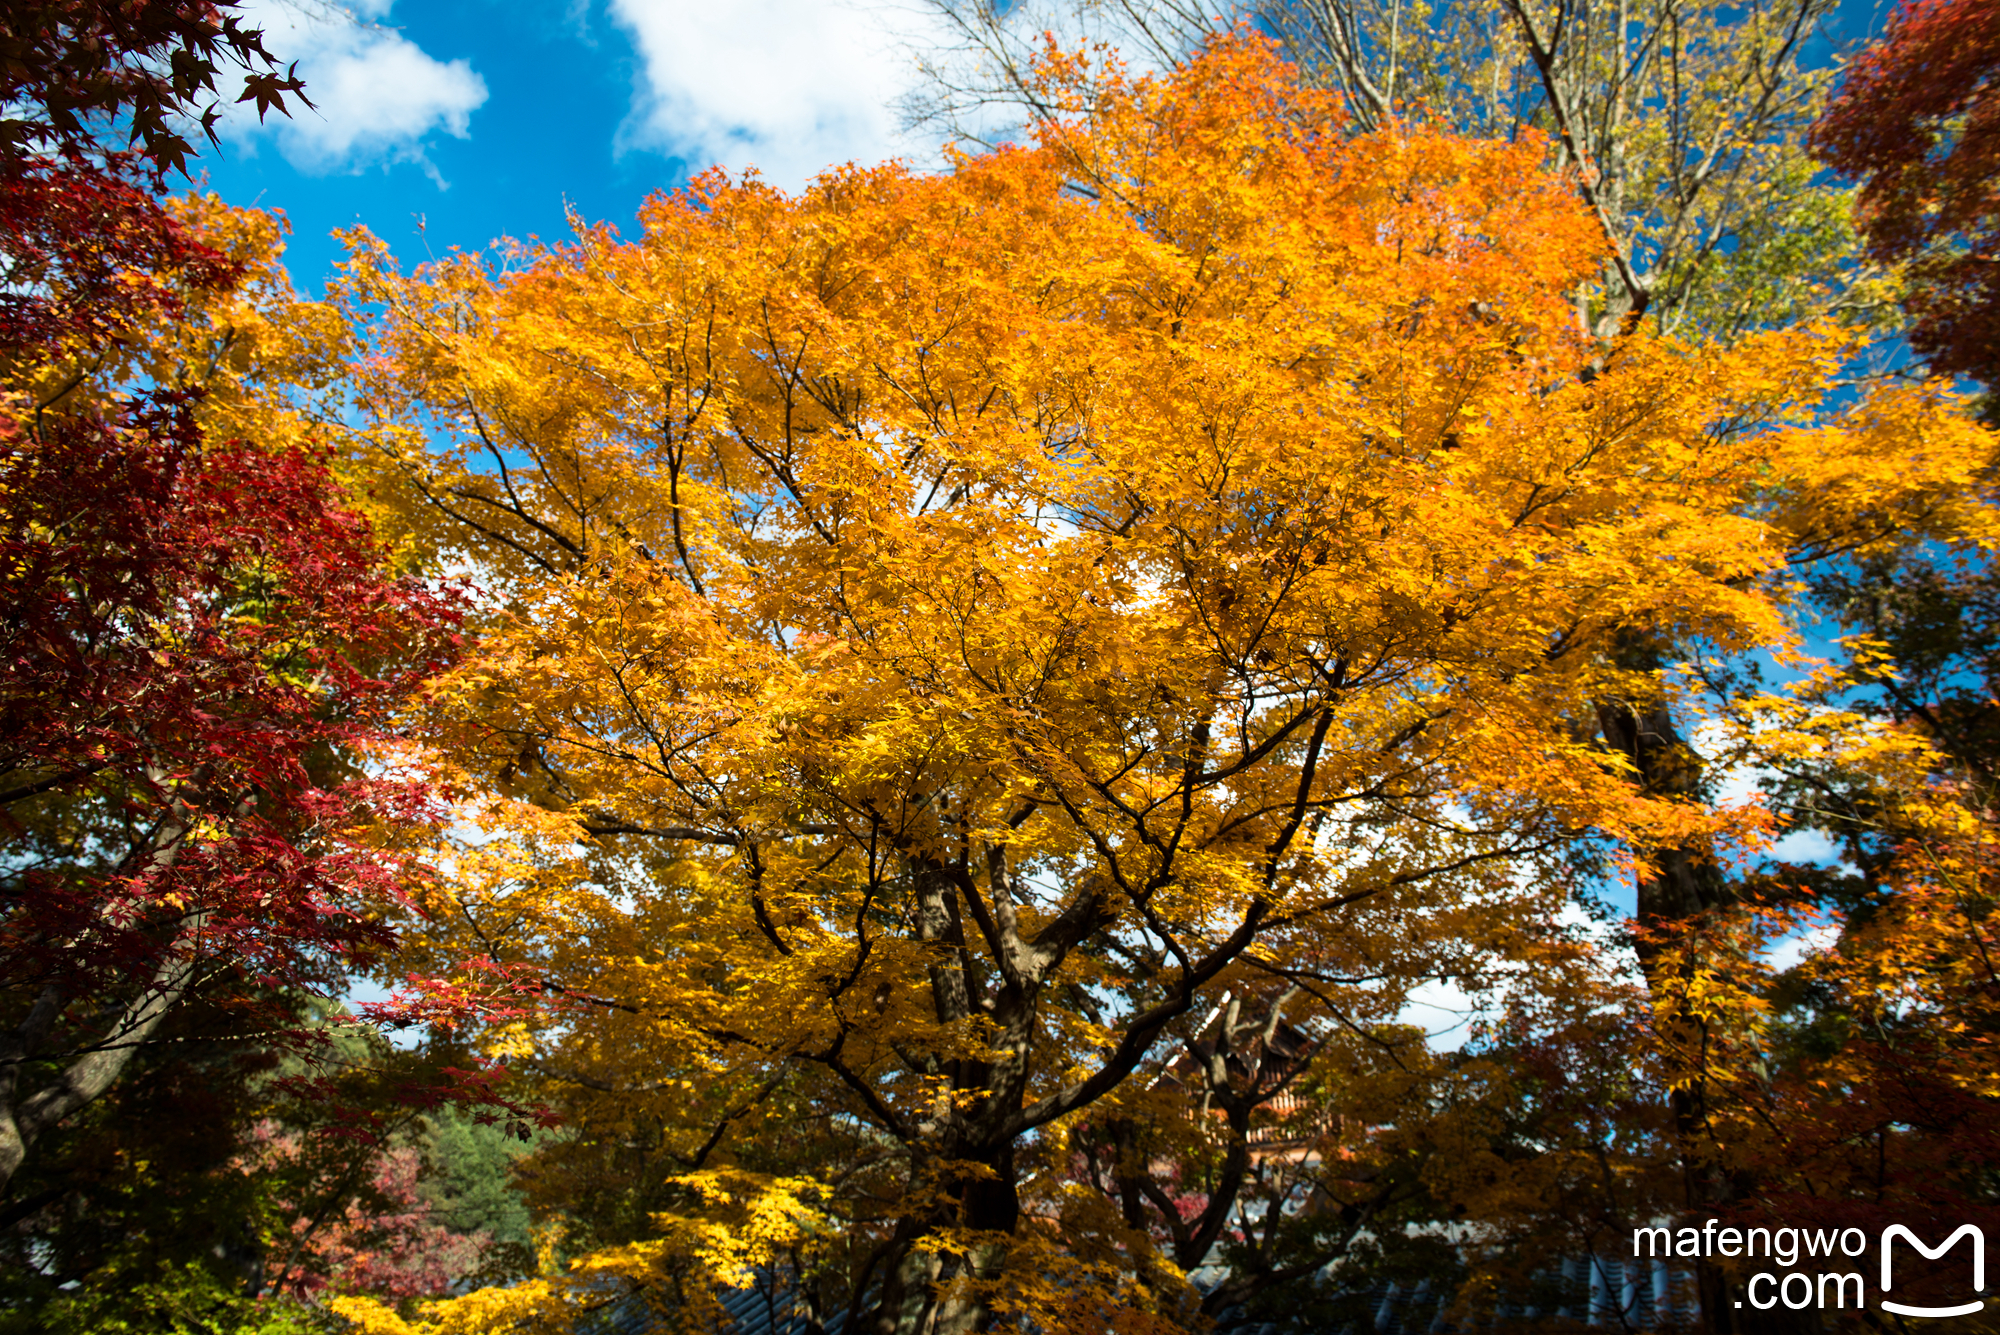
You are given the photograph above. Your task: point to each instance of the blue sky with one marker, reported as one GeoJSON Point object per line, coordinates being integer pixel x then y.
{"type": "Point", "coordinates": [448, 123]}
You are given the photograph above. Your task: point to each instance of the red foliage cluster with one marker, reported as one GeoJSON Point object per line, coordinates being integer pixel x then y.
{"type": "Point", "coordinates": [1917, 119]}
{"type": "Point", "coordinates": [190, 632]}
{"type": "Point", "coordinates": [199, 641]}
{"type": "Point", "coordinates": [67, 67]}
{"type": "Point", "coordinates": [85, 253]}
{"type": "Point", "coordinates": [379, 1235]}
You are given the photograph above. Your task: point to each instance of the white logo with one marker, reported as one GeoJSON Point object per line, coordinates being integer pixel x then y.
{"type": "Point", "coordinates": [1933, 1253]}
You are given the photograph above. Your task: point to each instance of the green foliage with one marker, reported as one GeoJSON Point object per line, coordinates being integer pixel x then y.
{"type": "Point", "coordinates": [168, 1299]}
{"type": "Point", "coordinates": [471, 1183]}
{"type": "Point", "coordinates": [1794, 258]}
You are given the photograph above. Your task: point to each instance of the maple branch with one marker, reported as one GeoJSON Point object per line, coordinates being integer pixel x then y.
{"type": "Point", "coordinates": [597, 1083]}
{"type": "Point", "coordinates": [1308, 771]}
{"type": "Point", "coordinates": [1543, 55]}
{"type": "Point", "coordinates": [13, 795]}
{"type": "Point", "coordinates": [891, 1121]}
{"type": "Point", "coordinates": [997, 924]}
{"type": "Point", "coordinates": [757, 907]}
{"type": "Point", "coordinates": [687, 833]}
{"type": "Point", "coordinates": [721, 1128]}
{"type": "Point", "coordinates": [1142, 1029]}
{"type": "Point", "coordinates": [674, 458]}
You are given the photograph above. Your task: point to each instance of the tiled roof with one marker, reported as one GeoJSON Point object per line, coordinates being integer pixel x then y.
{"type": "Point", "coordinates": [1646, 1295]}
{"type": "Point", "coordinates": [1629, 1296]}
{"type": "Point", "coordinates": [758, 1310]}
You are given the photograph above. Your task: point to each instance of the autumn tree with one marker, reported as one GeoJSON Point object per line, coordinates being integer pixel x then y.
{"type": "Point", "coordinates": [184, 672]}
{"type": "Point", "coordinates": [954, 628]}
{"type": "Point", "coordinates": [202, 638]}
{"type": "Point", "coordinates": [1917, 120]}
{"type": "Point", "coordinates": [1689, 127]}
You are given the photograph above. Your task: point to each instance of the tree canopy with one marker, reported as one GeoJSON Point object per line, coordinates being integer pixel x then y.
{"type": "Point", "coordinates": [950, 631]}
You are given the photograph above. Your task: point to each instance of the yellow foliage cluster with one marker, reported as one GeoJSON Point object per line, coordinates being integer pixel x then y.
{"type": "Point", "coordinates": [947, 631]}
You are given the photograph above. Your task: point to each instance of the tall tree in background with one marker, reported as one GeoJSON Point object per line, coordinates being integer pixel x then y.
{"type": "Point", "coordinates": [960, 627]}
{"type": "Point", "coordinates": [1683, 121]}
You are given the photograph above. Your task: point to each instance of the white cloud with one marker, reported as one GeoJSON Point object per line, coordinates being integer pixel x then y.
{"type": "Point", "coordinates": [793, 87]}
{"type": "Point", "coordinates": [378, 95]}
{"type": "Point", "coordinates": [1791, 951]}
{"type": "Point", "coordinates": [1444, 1011]}
{"type": "Point", "coordinates": [790, 87]}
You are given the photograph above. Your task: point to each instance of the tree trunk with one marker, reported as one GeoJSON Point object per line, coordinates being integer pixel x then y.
{"type": "Point", "coordinates": [23, 1120]}
{"type": "Point", "coordinates": [1684, 886]}
{"type": "Point", "coordinates": [917, 1296]}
